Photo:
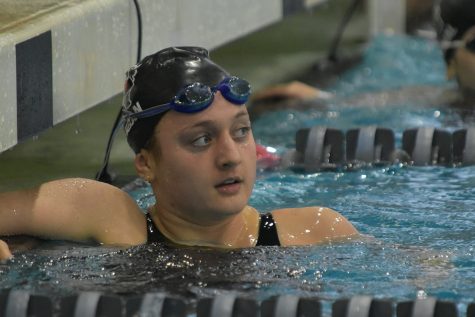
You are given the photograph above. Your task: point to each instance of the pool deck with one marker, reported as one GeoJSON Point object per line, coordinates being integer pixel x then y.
{"type": "Point", "coordinates": [62, 58]}
{"type": "Point", "coordinates": [82, 40]}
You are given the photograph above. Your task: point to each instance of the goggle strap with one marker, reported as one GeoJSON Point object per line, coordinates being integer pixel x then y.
{"type": "Point", "coordinates": [224, 87]}
{"type": "Point", "coordinates": [150, 111]}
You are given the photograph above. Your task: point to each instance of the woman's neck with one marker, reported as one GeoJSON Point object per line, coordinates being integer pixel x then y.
{"type": "Point", "coordinates": [236, 231]}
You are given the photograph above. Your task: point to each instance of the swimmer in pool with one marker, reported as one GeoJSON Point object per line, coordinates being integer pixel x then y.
{"type": "Point", "coordinates": [455, 23]}
{"type": "Point", "coordinates": [185, 118]}
{"type": "Point", "coordinates": [458, 25]}
{"type": "Point", "coordinates": [461, 66]}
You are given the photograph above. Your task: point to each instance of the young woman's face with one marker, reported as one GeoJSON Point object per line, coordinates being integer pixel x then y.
{"type": "Point", "coordinates": [205, 166]}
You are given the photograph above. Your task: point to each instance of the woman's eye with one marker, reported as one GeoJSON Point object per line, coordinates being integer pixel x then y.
{"type": "Point", "coordinates": [242, 132]}
{"type": "Point", "coordinates": [202, 141]}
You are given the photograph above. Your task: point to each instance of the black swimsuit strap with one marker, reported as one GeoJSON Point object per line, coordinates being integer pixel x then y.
{"type": "Point", "coordinates": [153, 234]}
{"type": "Point", "coordinates": [267, 231]}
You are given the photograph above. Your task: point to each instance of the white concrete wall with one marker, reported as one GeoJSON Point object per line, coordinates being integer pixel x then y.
{"type": "Point", "coordinates": [8, 111]}
{"type": "Point", "coordinates": [93, 42]}
{"type": "Point", "coordinates": [387, 16]}
{"type": "Point", "coordinates": [91, 51]}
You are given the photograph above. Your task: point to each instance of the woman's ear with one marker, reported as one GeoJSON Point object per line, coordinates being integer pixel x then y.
{"type": "Point", "coordinates": [145, 165]}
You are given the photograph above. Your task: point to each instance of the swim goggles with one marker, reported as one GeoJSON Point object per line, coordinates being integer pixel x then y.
{"type": "Point", "coordinates": [197, 97]}
{"type": "Point", "coordinates": [470, 45]}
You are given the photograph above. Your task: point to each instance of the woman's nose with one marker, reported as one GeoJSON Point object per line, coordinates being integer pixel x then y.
{"type": "Point", "coordinates": [228, 154]}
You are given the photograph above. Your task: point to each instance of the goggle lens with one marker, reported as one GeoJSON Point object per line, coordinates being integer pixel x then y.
{"type": "Point", "coordinates": [193, 98]}
{"type": "Point", "coordinates": [236, 90]}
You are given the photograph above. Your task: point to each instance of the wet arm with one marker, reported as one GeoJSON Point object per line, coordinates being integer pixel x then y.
{"type": "Point", "coordinates": [312, 225]}
{"type": "Point", "coordinates": [73, 209]}
{"type": "Point", "coordinates": [4, 251]}
{"type": "Point", "coordinates": [295, 89]}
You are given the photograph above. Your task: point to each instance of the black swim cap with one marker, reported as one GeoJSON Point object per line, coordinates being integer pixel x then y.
{"type": "Point", "coordinates": [460, 14]}
{"type": "Point", "coordinates": [456, 17]}
{"type": "Point", "coordinates": [157, 79]}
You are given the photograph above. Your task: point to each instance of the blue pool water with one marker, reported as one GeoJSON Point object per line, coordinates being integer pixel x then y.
{"type": "Point", "coordinates": [418, 222]}
{"type": "Point", "coordinates": [422, 218]}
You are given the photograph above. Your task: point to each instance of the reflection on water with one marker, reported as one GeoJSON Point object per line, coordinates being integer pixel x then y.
{"type": "Point", "coordinates": [366, 266]}
{"type": "Point", "coordinates": [325, 271]}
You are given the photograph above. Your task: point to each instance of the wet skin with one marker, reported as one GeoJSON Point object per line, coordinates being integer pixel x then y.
{"type": "Point", "coordinates": [202, 170]}
{"type": "Point", "coordinates": [206, 167]}
{"type": "Point", "coordinates": [462, 66]}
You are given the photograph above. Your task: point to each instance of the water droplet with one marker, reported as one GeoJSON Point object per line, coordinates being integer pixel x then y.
{"type": "Point", "coordinates": [421, 294]}
{"type": "Point", "coordinates": [78, 125]}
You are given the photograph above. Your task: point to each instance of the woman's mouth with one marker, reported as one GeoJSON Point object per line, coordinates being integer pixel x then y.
{"type": "Point", "coordinates": [229, 186]}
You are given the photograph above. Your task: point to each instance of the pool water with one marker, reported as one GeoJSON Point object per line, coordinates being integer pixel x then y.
{"type": "Point", "coordinates": [418, 222]}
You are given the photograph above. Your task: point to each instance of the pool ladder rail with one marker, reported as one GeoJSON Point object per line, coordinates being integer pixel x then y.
{"type": "Point", "coordinates": [20, 303]}
{"type": "Point", "coordinates": [321, 148]}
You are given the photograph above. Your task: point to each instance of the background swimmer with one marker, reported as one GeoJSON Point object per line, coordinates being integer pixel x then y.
{"type": "Point", "coordinates": [454, 20]}
{"type": "Point", "coordinates": [185, 120]}
{"type": "Point", "coordinates": [458, 39]}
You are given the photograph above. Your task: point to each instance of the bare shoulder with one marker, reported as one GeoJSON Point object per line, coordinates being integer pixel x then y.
{"type": "Point", "coordinates": [311, 225]}
{"type": "Point", "coordinates": [119, 219]}
{"type": "Point", "coordinates": [4, 251]}
{"type": "Point", "coordinates": [83, 193]}
{"type": "Point", "coordinates": [84, 209]}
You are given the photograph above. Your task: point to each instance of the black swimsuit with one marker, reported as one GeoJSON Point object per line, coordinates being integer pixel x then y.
{"type": "Point", "coordinates": [267, 231]}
